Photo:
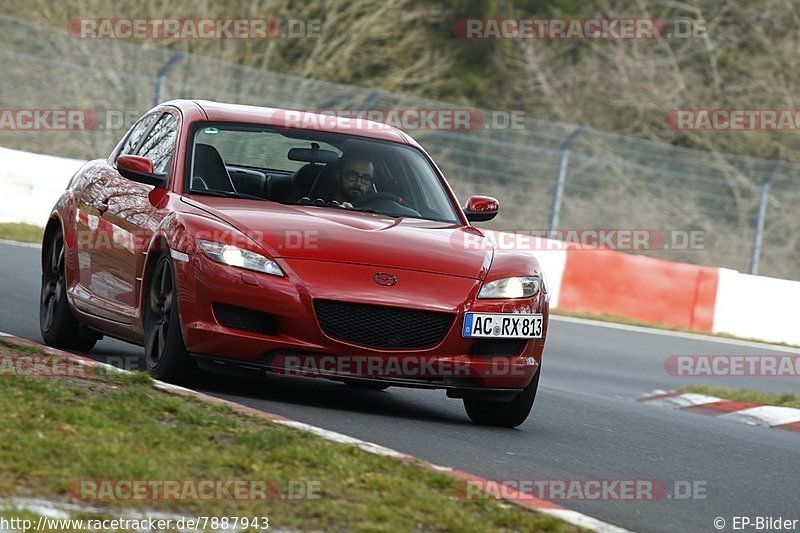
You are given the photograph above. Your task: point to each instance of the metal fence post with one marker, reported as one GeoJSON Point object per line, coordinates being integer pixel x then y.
{"type": "Point", "coordinates": [162, 74]}
{"type": "Point", "coordinates": [561, 177]}
{"type": "Point", "coordinates": [762, 216]}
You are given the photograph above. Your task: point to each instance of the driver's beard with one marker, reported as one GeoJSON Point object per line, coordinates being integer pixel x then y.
{"type": "Point", "coordinates": [353, 194]}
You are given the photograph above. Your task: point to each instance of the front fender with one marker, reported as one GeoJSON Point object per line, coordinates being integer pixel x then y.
{"type": "Point", "coordinates": [177, 235]}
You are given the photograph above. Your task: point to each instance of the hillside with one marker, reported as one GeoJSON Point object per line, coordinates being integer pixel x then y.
{"type": "Point", "coordinates": [748, 61]}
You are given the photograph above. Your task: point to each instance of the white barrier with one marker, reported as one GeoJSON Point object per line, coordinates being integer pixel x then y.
{"type": "Point", "coordinates": [31, 184]}
{"type": "Point", "coordinates": [757, 307]}
{"type": "Point", "coordinates": [552, 263]}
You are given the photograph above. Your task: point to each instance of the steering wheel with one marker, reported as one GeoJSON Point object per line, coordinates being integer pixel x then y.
{"type": "Point", "coordinates": [371, 197]}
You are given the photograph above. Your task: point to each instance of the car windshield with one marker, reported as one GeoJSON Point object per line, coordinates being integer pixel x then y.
{"type": "Point", "coordinates": [334, 170]}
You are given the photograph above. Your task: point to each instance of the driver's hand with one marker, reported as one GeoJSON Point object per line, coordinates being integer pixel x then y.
{"type": "Point", "coordinates": [346, 205]}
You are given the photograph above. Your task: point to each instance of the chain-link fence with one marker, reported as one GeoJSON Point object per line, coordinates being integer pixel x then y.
{"type": "Point", "coordinates": [599, 179]}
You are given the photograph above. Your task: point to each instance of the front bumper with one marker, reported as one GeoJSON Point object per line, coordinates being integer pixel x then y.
{"type": "Point", "coordinates": [298, 346]}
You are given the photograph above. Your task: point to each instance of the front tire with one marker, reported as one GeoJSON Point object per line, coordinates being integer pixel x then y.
{"type": "Point", "coordinates": [509, 414]}
{"type": "Point", "coordinates": [166, 357]}
{"type": "Point", "coordinates": [57, 324]}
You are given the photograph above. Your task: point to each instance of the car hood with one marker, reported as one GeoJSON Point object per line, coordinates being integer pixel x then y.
{"type": "Point", "coordinates": [339, 235]}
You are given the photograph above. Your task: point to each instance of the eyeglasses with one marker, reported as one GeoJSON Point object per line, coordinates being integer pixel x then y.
{"type": "Point", "coordinates": [352, 175]}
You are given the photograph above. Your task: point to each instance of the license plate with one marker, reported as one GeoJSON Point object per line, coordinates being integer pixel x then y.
{"type": "Point", "coordinates": [502, 326]}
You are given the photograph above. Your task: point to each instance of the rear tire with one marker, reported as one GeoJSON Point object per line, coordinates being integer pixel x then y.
{"type": "Point", "coordinates": [509, 414]}
{"type": "Point", "coordinates": [166, 357]}
{"type": "Point", "coordinates": [58, 325]}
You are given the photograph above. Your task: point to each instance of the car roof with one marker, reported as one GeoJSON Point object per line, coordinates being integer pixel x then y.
{"type": "Point", "coordinates": [306, 120]}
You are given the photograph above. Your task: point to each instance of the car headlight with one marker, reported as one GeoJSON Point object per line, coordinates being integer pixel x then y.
{"type": "Point", "coordinates": [234, 256]}
{"type": "Point", "coordinates": [522, 287]}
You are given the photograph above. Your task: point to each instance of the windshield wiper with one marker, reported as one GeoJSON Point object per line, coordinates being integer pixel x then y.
{"type": "Point", "coordinates": [228, 194]}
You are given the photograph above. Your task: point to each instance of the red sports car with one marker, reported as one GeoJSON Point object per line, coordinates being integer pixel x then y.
{"type": "Point", "coordinates": [232, 237]}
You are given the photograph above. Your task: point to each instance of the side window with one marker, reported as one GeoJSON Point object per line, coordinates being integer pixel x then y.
{"type": "Point", "coordinates": [159, 144]}
{"type": "Point", "coordinates": [137, 132]}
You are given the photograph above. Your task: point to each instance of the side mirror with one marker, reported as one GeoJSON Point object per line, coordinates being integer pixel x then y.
{"type": "Point", "coordinates": [140, 169]}
{"type": "Point", "coordinates": [481, 208]}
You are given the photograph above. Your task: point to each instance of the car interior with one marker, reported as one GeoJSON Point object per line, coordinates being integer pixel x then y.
{"type": "Point", "coordinates": [313, 183]}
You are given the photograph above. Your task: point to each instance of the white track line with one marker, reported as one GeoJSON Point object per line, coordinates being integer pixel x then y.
{"type": "Point", "coordinates": [581, 520]}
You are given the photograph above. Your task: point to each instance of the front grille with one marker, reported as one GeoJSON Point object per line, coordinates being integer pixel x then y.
{"type": "Point", "coordinates": [498, 347]}
{"type": "Point", "coordinates": [376, 326]}
{"type": "Point", "coordinates": [250, 320]}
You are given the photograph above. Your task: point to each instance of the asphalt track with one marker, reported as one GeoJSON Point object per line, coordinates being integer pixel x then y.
{"type": "Point", "coordinates": [586, 423]}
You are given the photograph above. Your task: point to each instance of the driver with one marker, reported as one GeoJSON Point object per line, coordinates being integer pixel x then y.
{"type": "Point", "coordinates": [355, 178]}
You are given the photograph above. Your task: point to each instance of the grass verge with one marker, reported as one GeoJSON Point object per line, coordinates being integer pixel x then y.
{"type": "Point", "coordinates": [18, 231]}
{"type": "Point", "coordinates": [57, 430]}
{"type": "Point", "coordinates": [747, 396]}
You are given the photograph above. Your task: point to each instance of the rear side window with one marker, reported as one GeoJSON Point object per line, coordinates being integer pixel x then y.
{"type": "Point", "coordinates": [160, 143]}
{"type": "Point", "coordinates": [136, 133]}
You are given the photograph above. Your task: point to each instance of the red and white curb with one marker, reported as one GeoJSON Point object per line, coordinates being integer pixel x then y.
{"type": "Point", "coordinates": [786, 418]}
{"type": "Point", "coordinates": [524, 500]}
